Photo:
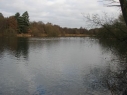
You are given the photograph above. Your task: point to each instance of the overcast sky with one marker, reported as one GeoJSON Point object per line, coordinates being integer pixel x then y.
{"type": "Point", "coordinates": [66, 13]}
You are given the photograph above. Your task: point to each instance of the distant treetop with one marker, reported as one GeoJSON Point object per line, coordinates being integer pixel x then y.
{"type": "Point", "coordinates": [1, 15]}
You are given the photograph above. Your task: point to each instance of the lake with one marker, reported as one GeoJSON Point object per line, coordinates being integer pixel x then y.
{"type": "Point", "coordinates": [55, 66]}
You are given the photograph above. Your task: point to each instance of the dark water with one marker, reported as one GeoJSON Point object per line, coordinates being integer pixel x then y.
{"type": "Point", "coordinates": [55, 66]}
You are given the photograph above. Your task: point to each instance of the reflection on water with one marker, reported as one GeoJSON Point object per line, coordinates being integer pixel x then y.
{"type": "Point", "coordinates": [22, 48]}
{"type": "Point", "coordinates": [56, 66]}
{"type": "Point", "coordinates": [117, 80]}
{"type": "Point", "coordinates": [16, 46]}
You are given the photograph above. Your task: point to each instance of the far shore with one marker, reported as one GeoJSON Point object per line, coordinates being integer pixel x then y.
{"type": "Point", "coordinates": [45, 35]}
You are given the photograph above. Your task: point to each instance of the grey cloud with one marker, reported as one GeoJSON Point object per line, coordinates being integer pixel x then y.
{"type": "Point", "coordinates": [66, 13]}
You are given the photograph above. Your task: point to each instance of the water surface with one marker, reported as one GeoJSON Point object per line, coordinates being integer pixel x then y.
{"type": "Point", "coordinates": [54, 66]}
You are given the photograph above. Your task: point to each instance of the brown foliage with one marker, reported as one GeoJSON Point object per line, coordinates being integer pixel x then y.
{"type": "Point", "coordinates": [10, 26]}
{"type": "Point", "coordinates": [12, 23]}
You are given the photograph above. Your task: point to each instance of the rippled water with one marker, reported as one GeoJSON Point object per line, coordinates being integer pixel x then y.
{"type": "Point", "coordinates": [53, 66]}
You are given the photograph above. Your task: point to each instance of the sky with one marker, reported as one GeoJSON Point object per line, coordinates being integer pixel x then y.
{"type": "Point", "coordinates": [65, 13]}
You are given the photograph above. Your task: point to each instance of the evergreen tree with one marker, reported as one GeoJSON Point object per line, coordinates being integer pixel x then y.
{"type": "Point", "coordinates": [23, 22]}
{"type": "Point", "coordinates": [1, 15]}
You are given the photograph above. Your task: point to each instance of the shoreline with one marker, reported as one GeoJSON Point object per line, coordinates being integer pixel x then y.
{"type": "Point", "coordinates": [65, 35]}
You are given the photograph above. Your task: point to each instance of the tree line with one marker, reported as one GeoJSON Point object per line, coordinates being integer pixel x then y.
{"type": "Point", "coordinates": [48, 29]}
{"type": "Point", "coordinates": [14, 24]}
{"type": "Point", "coordinates": [20, 24]}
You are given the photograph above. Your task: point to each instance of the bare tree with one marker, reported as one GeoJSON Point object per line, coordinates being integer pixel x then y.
{"type": "Point", "coordinates": [122, 4]}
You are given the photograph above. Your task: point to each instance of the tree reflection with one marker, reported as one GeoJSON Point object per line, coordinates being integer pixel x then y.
{"type": "Point", "coordinates": [14, 46]}
{"type": "Point", "coordinates": [22, 47]}
{"type": "Point", "coordinates": [96, 81]}
{"type": "Point", "coordinates": [117, 79]}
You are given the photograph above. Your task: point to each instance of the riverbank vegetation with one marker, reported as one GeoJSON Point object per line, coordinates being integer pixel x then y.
{"type": "Point", "coordinates": [115, 29]}
{"type": "Point", "coordinates": [109, 27]}
{"type": "Point", "coordinates": [19, 25]}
